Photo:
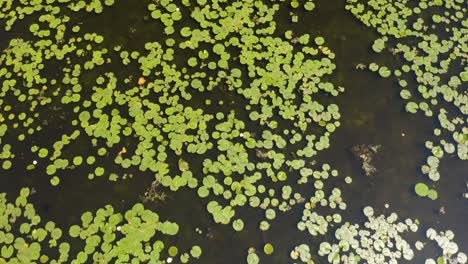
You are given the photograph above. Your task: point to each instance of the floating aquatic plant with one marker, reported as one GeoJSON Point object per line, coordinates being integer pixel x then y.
{"type": "Point", "coordinates": [435, 60]}
{"type": "Point", "coordinates": [24, 237]}
{"type": "Point", "coordinates": [118, 121]}
{"type": "Point", "coordinates": [450, 249]}
{"type": "Point", "coordinates": [423, 190]}
{"type": "Point", "coordinates": [108, 236]}
{"type": "Point", "coordinates": [232, 54]}
{"type": "Point", "coordinates": [268, 249]}
{"type": "Point", "coordinates": [376, 243]}
{"type": "Point", "coordinates": [302, 252]}
{"type": "Point", "coordinates": [252, 258]}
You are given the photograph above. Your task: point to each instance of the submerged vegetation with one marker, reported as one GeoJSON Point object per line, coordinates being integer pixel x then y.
{"type": "Point", "coordinates": [226, 104]}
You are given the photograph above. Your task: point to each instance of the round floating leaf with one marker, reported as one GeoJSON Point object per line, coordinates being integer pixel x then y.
{"type": "Point", "coordinates": [99, 171]}
{"type": "Point", "coordinates": [55, 181]}
{"type": "Point", "coordinates": [78, 160]}
{"type": "Point", "coordinates": [7, 251]}
{"type": "Point", "coordinates": [379, 45]}
{"type": "Point", "coordinates": [203, 191]}
{"type": "Point", "coordinates": [44, 259]}
{"type": "Point", "coordinates": [253, 258]}
{"type": "Point", "coordinates": [86, 218]}
{"type": "Point", "coordinates": [99, 39]}
{"type": "Point", "coordinates": [405, 94]}
{"type": "Point", "coordinates": [203, 54]}
{"type": "Point", "coordinates": [82, 257]}
{"type": "Point", "coordinates": [368, 211]}
{"type": "Point", "coordinates": [384, 72]}
{"type": "Point", "coordinates": [432, 194]}
{"type": "Point", "coordinates": [25, 192]}
{"type": "Point", "coordinates": [309, 5]}
{"type": "Point", "coordinates": [43, 152]}
{"type": "Point", "coordinates": [373, 67]}
{"type": "Point", "coordinates": [192, 61]}
{"type": "Point", "coordinates": [173, 251]}
{"type": "Point", "coordinates": [185, 32]}
{"type": "Point", "coordinates": [294, 4]}
{"type": "Point", "coordinates": [268, 249]}
{"type": "Point", "coordinates": [421, 189]}
{"type": "Point", "coordinates": [282, 176]}
{"type": "Point", "coordinates": [56, 233]}
{"type": "Point", "coordinates": [270, 214]}
{"type": "Point", "coordinates": [90, 160]}
{"type": "Point", "coordinates": [74, 231]}
{"type": "Point", "coordinates": [238, 225]}
{"type": "Point", "coordinates": [196, 251]}
{"type": "Point", "coordinates": [412, 107]}
{"type": "Point", "coordinates": [319, 41]}
{"type": "Point", "coordinates": [6, 165]}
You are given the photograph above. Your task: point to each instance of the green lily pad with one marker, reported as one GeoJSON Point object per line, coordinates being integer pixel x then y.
{"type": "Point", "coordinates": [173, 251]}
{"type": "Point", "coordinates": [196, 252]}
{"type": "Point", "coordinates": [268, 249]}
{"type": "Point", "coordinates": [421, 189]}
{"type": "Point", "coordinates": [238, 225]}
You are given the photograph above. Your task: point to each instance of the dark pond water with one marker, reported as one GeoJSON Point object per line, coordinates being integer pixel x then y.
{"type": "Point", "coordinates": [372, 113]}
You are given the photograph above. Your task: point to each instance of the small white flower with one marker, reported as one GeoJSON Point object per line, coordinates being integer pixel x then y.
{"type": "Point", "coordinates": [119, 228]}
{"type": "Point", "coordinates": [35, 162]}
{"type": "Point", "coordinates": [177, 9]}
{"type": "Point", "coordinates": [169, 260]}
{"type": "Point", "coordinates": [241, 134]}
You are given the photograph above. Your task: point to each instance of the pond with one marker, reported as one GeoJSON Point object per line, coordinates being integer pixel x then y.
{"type": "Point", "coordinates": [245, 131]}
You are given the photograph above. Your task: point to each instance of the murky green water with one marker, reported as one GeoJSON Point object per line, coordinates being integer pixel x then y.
{"type": "Point", "coordinates": [372, 113]}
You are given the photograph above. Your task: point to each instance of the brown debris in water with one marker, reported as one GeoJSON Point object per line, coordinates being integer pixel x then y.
{"type": "Point", "coordinates": [154, 193]}
{"type": "Point", "coordinates": [366, 153]}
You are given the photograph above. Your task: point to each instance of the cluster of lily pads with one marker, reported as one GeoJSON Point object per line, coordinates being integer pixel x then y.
{"type": "Point", "coordinates": [450, 249]}
{"type": "Point", "coordinates": [302, 253]}
{"type": "Point", "coordinates": [143, 120]}
{"type": "Point", "coordinates": [147, 118]}
{"type": "Point", "coordinates": [172, 116]}
{"type": "Point", "coordinates": [221, 61]}
{"type": "Point", "coordinates": [120, 238]}
{"type": "Point", "coordinates": [381, 239]}
{"type": "Point", "coordinates": [107, 236]}
{"type": "Point", "coordinates": [423, 190]}
{"type": "Point", "coordinates": [24, 237]}
{"type": "Point", "coordinates": [429, 38]}
{"type": "Point", "coordinates": [252, 258]}
{"type": "Point", "coordinates": [379, 242]}
{"type": "Point", "coordinates": [315, 223]}
{"type": "Point", "coordinates": [31, 92]}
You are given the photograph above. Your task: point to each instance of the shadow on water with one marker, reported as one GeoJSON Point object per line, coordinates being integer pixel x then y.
{"type": "Point", "coordinates": [372, 113]}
